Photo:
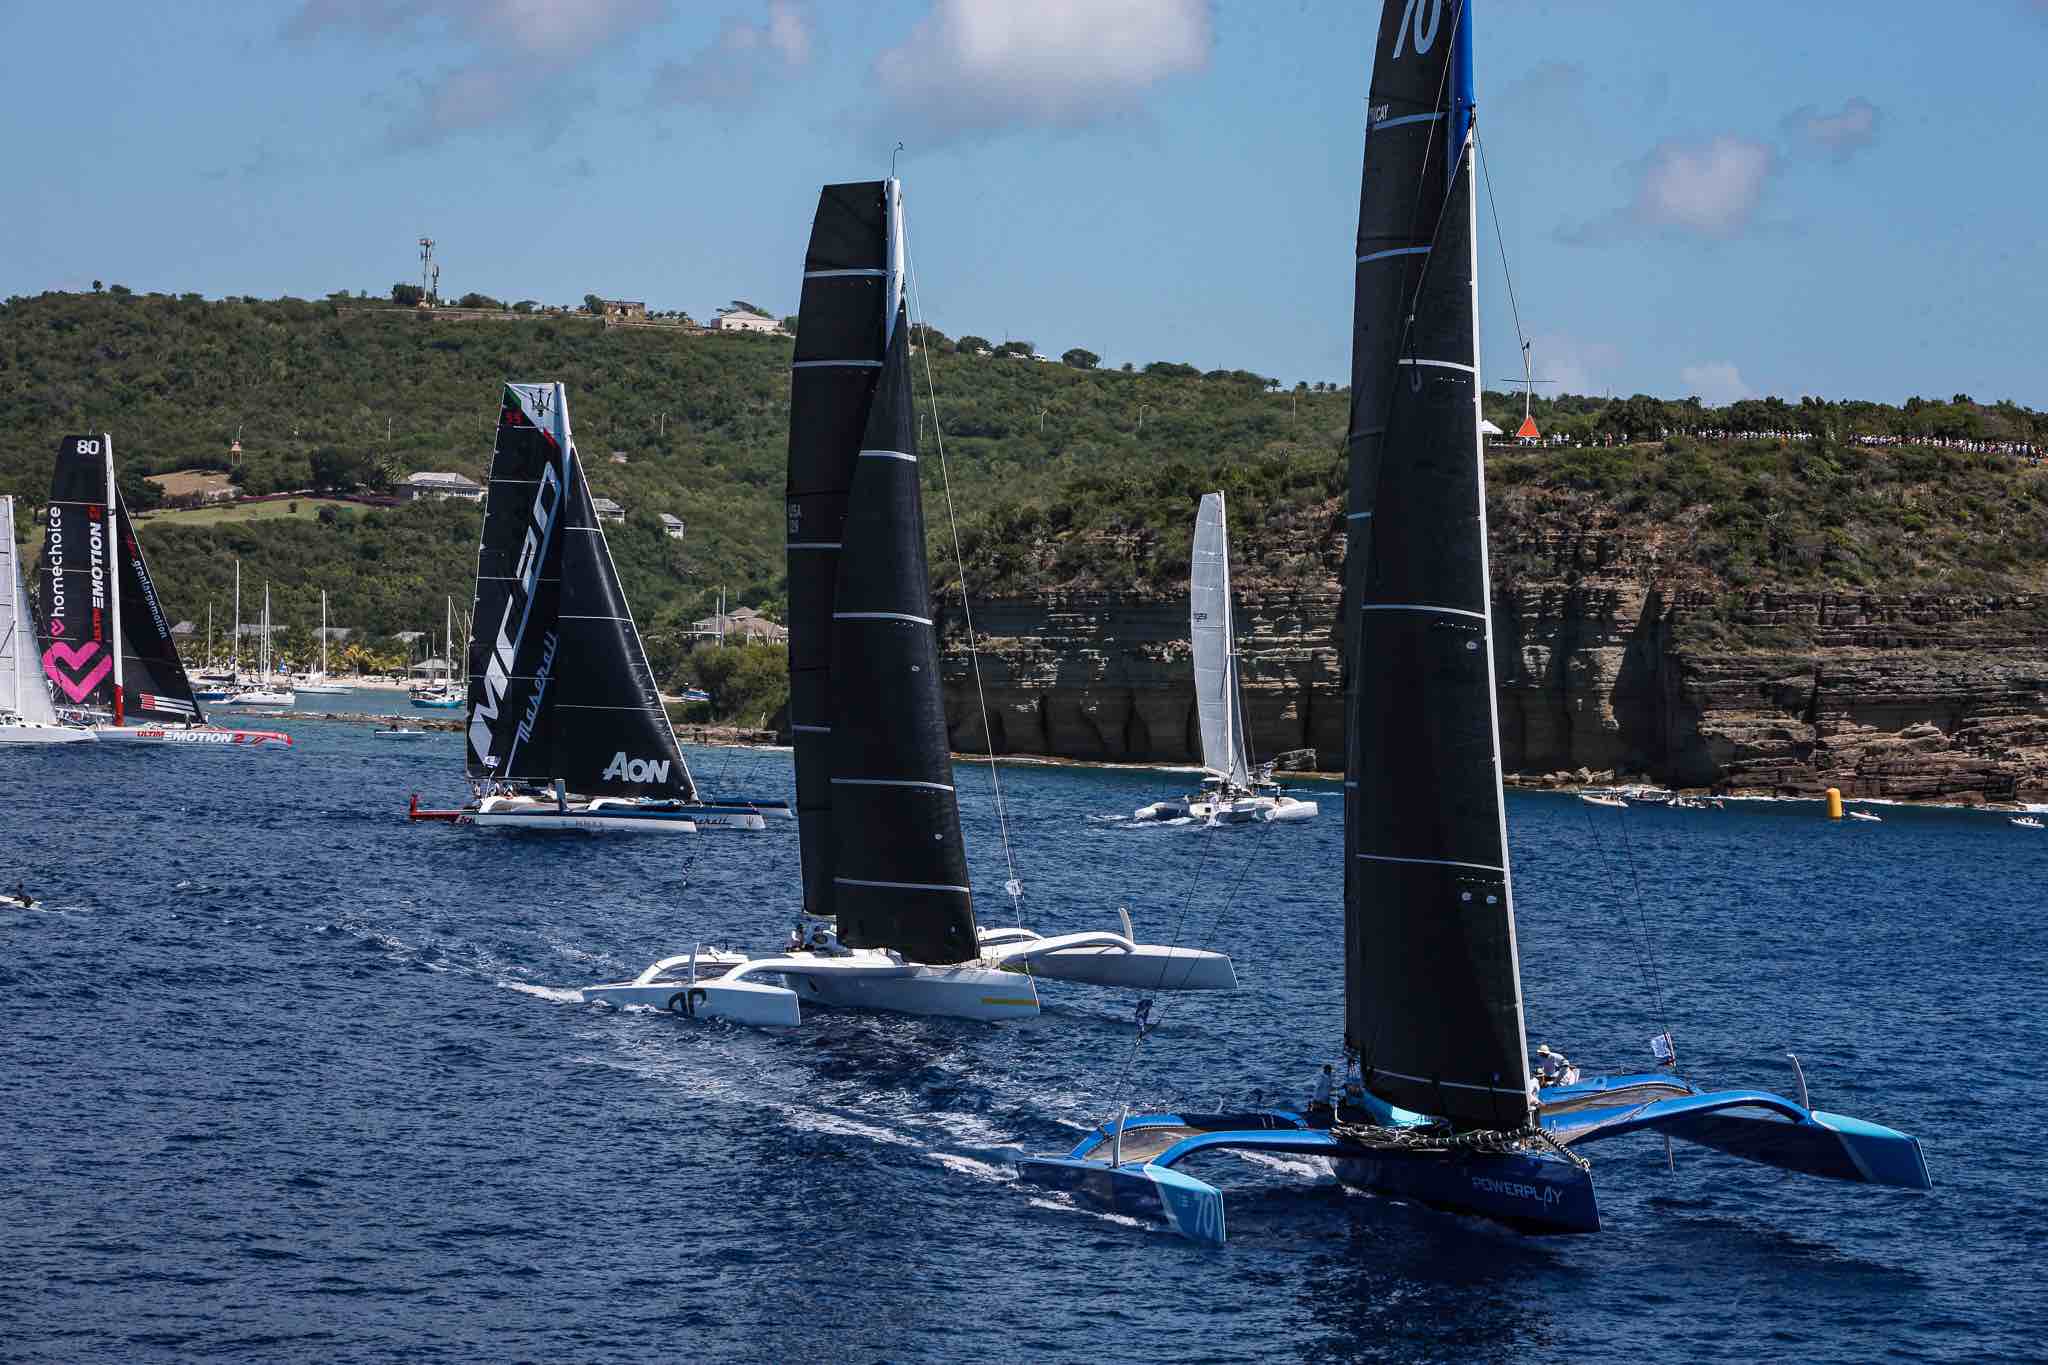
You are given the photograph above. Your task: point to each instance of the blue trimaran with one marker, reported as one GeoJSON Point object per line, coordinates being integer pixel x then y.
{"type": "Point", "coordinates": [1446, 1114]}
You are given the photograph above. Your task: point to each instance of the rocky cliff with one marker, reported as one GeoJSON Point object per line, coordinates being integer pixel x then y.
{"type": "Point", "coordinates": [1613, 660]}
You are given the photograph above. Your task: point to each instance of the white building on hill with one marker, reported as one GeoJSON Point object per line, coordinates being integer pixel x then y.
{"type": "Point", "coordinates": [747, 322]}
{"type": "Point", "coordinates": [440, 484]}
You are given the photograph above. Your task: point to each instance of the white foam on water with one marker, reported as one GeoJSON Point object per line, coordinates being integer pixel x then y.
{"type": "Point", "coordinates": [971, 1129]}
{"type": "Point", "coordinates": [838, 1125]}
{"type": "Point", "coordinates": [1122, 1220]}
{"type": "Point", "coordinates": [967, 1165]}
{"type": "Point", "coordinates": [560, 995]}
{"type": "Point", "coordinates": [1307, 1168]}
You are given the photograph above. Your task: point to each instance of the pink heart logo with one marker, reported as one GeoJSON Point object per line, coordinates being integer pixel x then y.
{"type": "Point", "coordinates": [76, 657]}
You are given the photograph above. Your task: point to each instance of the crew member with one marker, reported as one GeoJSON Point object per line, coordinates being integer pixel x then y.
{"type": "Point", "coordinates": [1322, 1105]}
{"type": "Point", "coordinates": [21, 894]}
{"type": "Point", "coordinates": [1554, 1068]}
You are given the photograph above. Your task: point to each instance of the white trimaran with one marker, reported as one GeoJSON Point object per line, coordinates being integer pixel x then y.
{"type": "Point", "coordinates": [27, 715]}
{"type": "Point", "coordinates": [1232, 793]}
{"type": "Point", "coordinates": [886, 899]}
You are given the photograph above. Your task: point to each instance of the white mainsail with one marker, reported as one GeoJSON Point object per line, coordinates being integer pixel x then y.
{"type": "Point", "coordinates": [23, 689]}
{"type": "Point", "coordinates": [1213, 633]}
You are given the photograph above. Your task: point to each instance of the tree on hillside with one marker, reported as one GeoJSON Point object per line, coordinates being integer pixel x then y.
{"type": "Point", "coordinates": [924, 334]}
{"type": "Point", "coordinates": [1081, 358]}
{"type": "Point", "coordinates": [1168, 369]}
{"type": "Point", "coordinates": [973, 345]}
{"type": "Point", "coordinates": [478, 301]}
{"type": "Point", "coordinates": [407, 295]}
{"type": "Point", "coordinates": [593, 304]}
{"type": "Point", "coordinates": [742, 306]}
{"type": "Point", "coordinates": [1021, 349]}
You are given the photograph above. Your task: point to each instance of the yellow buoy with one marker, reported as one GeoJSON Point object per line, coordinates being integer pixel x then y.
{"type": "Point", "coordinates": [1834, 803]}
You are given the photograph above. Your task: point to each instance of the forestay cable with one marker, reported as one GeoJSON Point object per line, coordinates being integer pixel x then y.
{"type": "Point", "coordinates": [1013, 886]}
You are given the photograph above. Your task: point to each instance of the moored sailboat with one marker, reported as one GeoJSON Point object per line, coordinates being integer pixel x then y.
{"type": "Point", "coordinates": [268, 689]}
{"type": "Point", "coordinates": [566, 726]}
{"type": "Point", "coordinates": [27, 715]}
{"type": "Point", "coordinates": [1233, 792]}
{"type": "Point", "coordinates": [1440, 1107]}
{"type": "Point", "coordinates": [888, 909]}
{"type": "Point", "coordinates": [107, 646]}
{"type": "Point", "coordinates": [321, 684]}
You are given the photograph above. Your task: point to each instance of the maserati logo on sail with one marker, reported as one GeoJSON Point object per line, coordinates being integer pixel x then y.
{"type": "Point", "coordinates": [636, 769]}
{"type": "Point", "coordinates": [547, 502]}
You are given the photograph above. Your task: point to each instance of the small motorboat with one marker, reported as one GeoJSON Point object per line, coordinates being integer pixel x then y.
{"type": "Point", "coordinates": [1603, 799]}
{"type": "Point", "coordinates": [2028, 822]}
{"type": "Point", "coordinates": [24, 902]}
{"type": "Point", "coordinates": [1866, 815]}
{"type": "Point", "coordinates": [398, 732]}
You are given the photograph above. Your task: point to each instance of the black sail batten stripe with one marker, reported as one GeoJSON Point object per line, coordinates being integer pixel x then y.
{"type": "Point", "coordinates": [1433, 1003]}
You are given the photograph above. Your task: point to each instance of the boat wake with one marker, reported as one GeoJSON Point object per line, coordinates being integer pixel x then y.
{"type": "Point", "coordinates": [558, 995]}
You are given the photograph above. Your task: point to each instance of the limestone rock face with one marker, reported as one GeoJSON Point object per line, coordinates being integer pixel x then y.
{"type": "Point", "coordinates": [1608, 661]}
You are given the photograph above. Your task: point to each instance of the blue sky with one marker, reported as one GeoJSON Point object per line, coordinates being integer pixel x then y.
{"type": "Point", "coordinates": [1747, 198]}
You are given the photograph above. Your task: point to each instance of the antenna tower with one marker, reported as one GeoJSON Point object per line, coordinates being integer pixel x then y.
{"type": "Point", "coordinates": [430, 274]}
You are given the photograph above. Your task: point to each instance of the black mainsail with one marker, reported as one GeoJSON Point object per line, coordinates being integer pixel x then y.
{"type": "Point", "coordinates": [107, 646]}
{"type": "Point", "coordinates": [559, 683]}
{"type": "Point", "coordinates": [878, 822]}
{"type": "Point", "coordinates": [1433, 999]}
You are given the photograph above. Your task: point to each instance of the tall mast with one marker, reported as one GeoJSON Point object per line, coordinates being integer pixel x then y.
{"type": "Point", "coordinates": [235, 648]}
{"type": "Point", "coordinates": [113, 535]}
{"type": "Point", "coordinates": [1229, 651]}
{"type": "Point", "coordinates": [13, 588]}
{"type": "Point", "coordinates": [323, 635]}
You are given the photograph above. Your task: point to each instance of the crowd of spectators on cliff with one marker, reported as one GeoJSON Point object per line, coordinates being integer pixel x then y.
{"type": "Point", "coordinates": [2021, 450]}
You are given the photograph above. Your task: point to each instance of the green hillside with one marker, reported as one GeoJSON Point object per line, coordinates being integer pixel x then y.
{"type": "Point", "coordinates": [1063, 475]}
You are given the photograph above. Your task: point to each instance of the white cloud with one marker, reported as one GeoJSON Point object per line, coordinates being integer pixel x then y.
{"type": "Point", "coordinates": [1710, 188]}
{"type": "Point", "coordinates": [1841, 135]}
{"type": "Point", "coordinates": [745, 55]}
{"type": "Point", "coordinates": [489, 86]}
{"type": "Point", "coordinates": [980, 66]}
{"type": "Point", "coordinates": [1572, 366]}
{"type": "Point", "coordinates": [1705, 189]}
{"type": "Point", "coordinates": [1716, 382]}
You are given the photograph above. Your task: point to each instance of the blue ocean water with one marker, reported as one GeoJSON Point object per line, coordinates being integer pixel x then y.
{"type": "Point", "coordinates": [282, 1075]}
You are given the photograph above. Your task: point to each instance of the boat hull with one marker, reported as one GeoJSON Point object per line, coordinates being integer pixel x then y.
{"type": "Point", "coordinates": [1148, 967]}
{"type": "Point", "coordinates": [1157, 1194]}
{"type": "Point", "coordinates": [203, 736]}
{"type": "Point", "coordinates": [44, 734]}
{"type": "Point", "coordinates": [611, 815]}
{"type": "Point", "coordinates": [580, 820]}
{"type": "Point", "coordinates": [755, 1003]}
{"type": "Point", "coordinates": [963, 992]}
{"type": "Point", "coordinates": [1530, 1193]}
{"type": "Point", "coordinates": [1240, 811]}
{"type": "Point", "coordinates": [694, 987]}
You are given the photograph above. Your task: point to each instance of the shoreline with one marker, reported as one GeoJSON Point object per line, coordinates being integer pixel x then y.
{"type": "Point", "coordinates": [743, 737]}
